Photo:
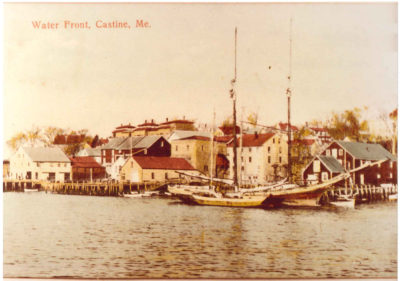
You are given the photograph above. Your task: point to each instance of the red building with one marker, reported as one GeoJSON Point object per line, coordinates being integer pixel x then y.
{"type": "Point", "coordinates": [85, 168]}
{"type": "Point", "coordinates": [351, 155]}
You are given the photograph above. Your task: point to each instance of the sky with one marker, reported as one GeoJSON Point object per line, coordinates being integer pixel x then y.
{"type": "Point", "coordinates": [343, 56]}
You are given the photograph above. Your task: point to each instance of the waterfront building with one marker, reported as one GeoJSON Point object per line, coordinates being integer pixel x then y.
{"type": "Point", "coordinates": [197, 151]}
{"type": "Point", "coordinates": [40, 163]}
{"type": "Point", "coordinates": [92, 152]}
{"type": "Point", "coordinates": [351, 155]}
{"type": "Point", "coordinates": [151, 128]}
{"type": "Point", "coordinates": [261, 157]}
{"type": "Point", "coordinates": [139, 169]}
{"type": "Point", "coordinates": [135, 145]}
{"type": "Point", "coordinates": [86, 168]}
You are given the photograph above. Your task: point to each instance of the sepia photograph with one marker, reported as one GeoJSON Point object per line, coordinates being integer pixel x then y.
{"type": "Point", "coordinates": [195, 140]}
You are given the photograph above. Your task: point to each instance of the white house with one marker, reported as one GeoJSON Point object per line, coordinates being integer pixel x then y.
{"type": "Point", "coordinates": [92, 152]}
{"type": "Point", "coordinates": [115, 168]}
{"type": "Point", "coordinates": [40, 163]}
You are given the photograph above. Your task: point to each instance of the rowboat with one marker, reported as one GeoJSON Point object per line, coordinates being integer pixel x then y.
{"type": "Point", "coordinates": [344, 202]}
{"type": "Point", "coordinates": [31, 189]}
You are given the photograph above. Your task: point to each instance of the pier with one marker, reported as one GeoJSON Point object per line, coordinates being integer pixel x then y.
{"type": "Point", "coordinates": [362, 193]}
{"type": "Point", "coordinates": [101, 188]}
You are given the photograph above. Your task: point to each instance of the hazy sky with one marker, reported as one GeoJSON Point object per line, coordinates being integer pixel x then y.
{"type": "Point", "coordinates": [344, 55]}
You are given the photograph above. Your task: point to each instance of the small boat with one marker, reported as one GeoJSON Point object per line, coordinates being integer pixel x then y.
{"type": "Point", "coordinates": [31, 189]}
{"type": "Point", "coordinates": [393, 197]}
{"type": "Point", "coordinates": [141, 195]}
{"type": "Point", "coordinates": [344, 201]}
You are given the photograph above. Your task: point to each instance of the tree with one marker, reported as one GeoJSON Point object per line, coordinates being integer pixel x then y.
{"type": "Point", "coordinates": [300, 153]}
{"type": "Point", "coordinates": [348, 124]}
{"type": "Point", "coordinates": [253, 119]}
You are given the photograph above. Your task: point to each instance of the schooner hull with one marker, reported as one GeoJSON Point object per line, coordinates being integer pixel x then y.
{"type": "Point", "coordinates": [228, 202]}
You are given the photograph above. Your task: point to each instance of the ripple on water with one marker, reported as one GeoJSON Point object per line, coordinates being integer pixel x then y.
{"type": "Point", "coordinates": [160, 238]}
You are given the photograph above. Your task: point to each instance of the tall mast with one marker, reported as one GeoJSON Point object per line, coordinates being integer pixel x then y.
{"type": "Point", "coordinates": [212, 151]}
{"type": "Point", "coordinates": [289, 94]}
{"type": "Point", "coordinates": [233, 96]}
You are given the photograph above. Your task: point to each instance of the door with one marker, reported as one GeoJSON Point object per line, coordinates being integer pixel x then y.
{"type": "Point", "coordinates": [334, 153]}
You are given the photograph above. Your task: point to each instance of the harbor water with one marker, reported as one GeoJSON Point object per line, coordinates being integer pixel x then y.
{"type": "Point", "coordinates": [49, 235]}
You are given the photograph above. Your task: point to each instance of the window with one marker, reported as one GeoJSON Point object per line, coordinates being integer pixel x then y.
{"type": "Point", "coordinates": [280, 149]}
{"type": "Point", "coordinates": [280, 159]}
{"type": "Point", "coordinates": [269, 149]}
{"type": "Point", "coordinates": [378, 176]}
{"type": "Point", "coordinates": [279, 140]}
{"type": "Point", "coordinates": [205, 168]}
{"type": "Point", "coordinates": [202, 148]}
{"type": "Point", "coordinates": [334, 152]}
{"type": "Point", "coordinates": [166, 176]}
{"type": "Point", "coordinates": [269, 159]}
{"type": "Point", "coordinates": [36, 175]}
{"type": "Point", "coordinates": [324, 176]}
{"type": "Point", "coordinates": [273, 140]}
{"type": "Point", "coordinates": [176, 147]}
{"type": "Point", "coordinates": [152, 176]}
{"type": "Point", "coordinates": [316, 166]}
{"type": "Point", "coordinates": [162, 143]}
{"type": "Point", "coordinates": [187, 147]}
{"type": "Point", "coordinates": [249, 159]}
{"type": "Point", "coordinates": [340, 152]}
{"type": "Point", "coordinates": [249, 149]}
{"type": "Point", "coordinates": [391, 164]}
{"type": "Point", "coordinates": [390, 175]}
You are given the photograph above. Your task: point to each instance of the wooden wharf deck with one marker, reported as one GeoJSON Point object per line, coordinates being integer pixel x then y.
{"type": "Point", "coordinates": [101, 188]}
{"type": "Point", "coordinates": [362, 193]}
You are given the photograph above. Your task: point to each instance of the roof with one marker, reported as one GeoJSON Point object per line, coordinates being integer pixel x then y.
{"type": "Point", "coordinates": [178, 121]}
{"type": "Point", "coordinates": [197, 138]}
{"type": "Point", "coordinates": [182, 134]}
{"type": "Point", "coordinates": [331, 164]}
{"type": "Point", "coordinates": [127, 143]}
{"type": "Point", "coordinates": [319, 129]}
{"type": "Point", "coordinates": [46, 154]}
{"type": "Point", "coordinates": [84, 162]}
{"type": "Point", "coordinates": [253, 140]}
{"type": "Point", "coordinates": [129, 126]}
{"type": "Point", "coordinates": [224, 139]}
{"type": "Point", "coordinates": [113, 142]}
{"type": "Point", "coordinates": [93, 152]}
{"type": "Point", "coordinates": [164, 163]}
{"type": "Point", "coordinates": [367, 151]}
{"type": "Point", "coordinates": [284, 127]}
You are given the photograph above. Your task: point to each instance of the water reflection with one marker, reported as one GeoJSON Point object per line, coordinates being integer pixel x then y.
{"type": "Point", "coordinates": [48, 235]}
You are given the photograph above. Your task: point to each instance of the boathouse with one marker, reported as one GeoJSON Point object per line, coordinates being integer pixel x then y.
{"type": "Point", "coordinates": [85, 168]}
{"type": "Point", "coordinates": [139, 169]}
{"type": "Point", "coordinates": [40, 163]}
{"type": "Point", "coordinates": [351, 155]}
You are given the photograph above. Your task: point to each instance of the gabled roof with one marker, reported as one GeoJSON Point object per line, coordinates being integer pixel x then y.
{"type": "Point", "coordinates": [93, 152]}
{"type": "Point", "coordinates": [331, 163]}
{"type": "Point", "coordinates": [46, 154]}
{"type": "Point", "coordinates": [84, 162]}
{"type": "Point", "coordinates": [253, 140]}
{"type": "Point", "coordinates": [366, 151]}
{"type": "Point", "coordinates": [127, 143]}
{"type": "Point", "coordinates": [163, 163]}
{"type": "Point", "coordinates": [197, 138]}
{"type": "Point", "coordinates": [225, 139]}
{"type": "Point", "coordinates": [181, 134]}
{"type": "Point", "coordinates": [113, 143]}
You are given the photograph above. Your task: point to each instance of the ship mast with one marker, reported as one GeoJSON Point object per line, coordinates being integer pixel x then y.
{"type": "Point", "coordinates": [233, 97]}
{"type": "Point", "coordinates": [289, 94]}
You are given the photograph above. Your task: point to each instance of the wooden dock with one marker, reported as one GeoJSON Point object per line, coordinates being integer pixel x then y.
{"type": "Point", "coordinates": [362, 193]}
{"type": "Point", "coordinates": [101, 188]}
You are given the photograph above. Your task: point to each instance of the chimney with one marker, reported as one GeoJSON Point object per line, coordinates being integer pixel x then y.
{"type": "Point", "coordinates": [255, 135]}
{"type": "Point", "coordinates": [166, 119]}
{"type": "Point", "coordinates": [152, 121]}
{"type": "Point", "coordinates": [183, 117]}
{"type": "Point", "coordinates": [145, 121]}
